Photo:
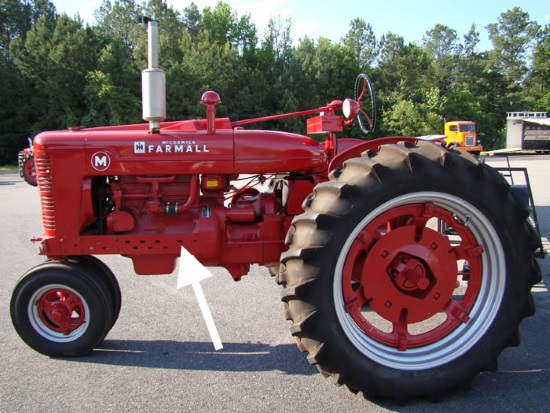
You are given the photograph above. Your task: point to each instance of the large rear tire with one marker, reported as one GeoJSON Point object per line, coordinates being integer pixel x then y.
{"type": "Point", "coordinates": [384, 303]}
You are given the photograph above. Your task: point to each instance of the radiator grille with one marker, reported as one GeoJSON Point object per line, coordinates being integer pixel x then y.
{"type": "Point", "coordinates": [45, 186]}
{"type": "Point", "coordinates": [470, 141]}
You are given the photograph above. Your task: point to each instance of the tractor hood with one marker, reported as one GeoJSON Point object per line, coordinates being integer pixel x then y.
{"type": "Point", "coordinates": [180, 148]}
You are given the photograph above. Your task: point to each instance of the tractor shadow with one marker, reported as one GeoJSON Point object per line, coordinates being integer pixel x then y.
{"type": "Point", "coordinates": [235, 357]}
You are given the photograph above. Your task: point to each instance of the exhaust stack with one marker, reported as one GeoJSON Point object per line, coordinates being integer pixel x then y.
{"type": "Point", "coordinates": [153, 85]}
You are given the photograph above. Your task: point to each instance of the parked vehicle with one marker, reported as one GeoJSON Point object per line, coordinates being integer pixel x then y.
{"type": "Point", "coordinates": [463, 134]}
{"type": "Point", "coordinates": [27, 170]}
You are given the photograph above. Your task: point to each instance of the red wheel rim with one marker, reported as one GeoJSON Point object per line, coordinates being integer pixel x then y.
{"type": "Point", "coordinates": [406, 274]}
{"type": "Point", "coordinates": [61, 310]}
{"type": "Point", "coordinates": [30, 171]}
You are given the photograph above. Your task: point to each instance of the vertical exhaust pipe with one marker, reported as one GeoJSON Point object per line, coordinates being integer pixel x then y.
{"type": "Point", "coordinates": [153, 85]}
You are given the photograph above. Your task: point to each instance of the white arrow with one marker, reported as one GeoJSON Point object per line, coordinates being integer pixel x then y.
{"type": "Point", "coordinates": [193, 272]}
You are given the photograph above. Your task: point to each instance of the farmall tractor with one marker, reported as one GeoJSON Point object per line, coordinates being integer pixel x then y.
{"type": "Point", "coordinates": [377, 297]}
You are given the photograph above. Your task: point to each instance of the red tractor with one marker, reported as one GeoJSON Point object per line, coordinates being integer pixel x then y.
{"type": "Point", "coordinates": [379, 298]}
{"type": "Point", "coordinates": [27, 170]}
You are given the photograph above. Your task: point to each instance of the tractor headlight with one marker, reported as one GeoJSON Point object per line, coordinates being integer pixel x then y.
{"type": "Point", "coordinates": [350, 108]}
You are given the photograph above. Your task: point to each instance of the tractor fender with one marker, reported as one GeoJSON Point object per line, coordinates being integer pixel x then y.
{"type": "Point", "coordinates": [353, 148]}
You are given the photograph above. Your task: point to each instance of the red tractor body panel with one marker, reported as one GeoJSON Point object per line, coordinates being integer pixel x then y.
{"type": "Point", "coordinates": [226, 151]}
{"type": "Point", "coordinates": [154, 205]}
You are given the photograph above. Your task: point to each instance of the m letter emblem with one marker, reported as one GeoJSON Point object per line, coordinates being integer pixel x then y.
{"type": "Point", "coordinates": [100, 161]}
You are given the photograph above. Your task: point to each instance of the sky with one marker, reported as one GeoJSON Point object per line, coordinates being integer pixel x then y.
{"type": "Point", "coordinates": [319, 18]}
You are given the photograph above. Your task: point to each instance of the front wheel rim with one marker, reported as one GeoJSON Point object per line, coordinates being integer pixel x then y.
{"type": "Point", "coordinates": [58, 313]}
{"type": "Point", "coordinates": [30, 171]}
{"type": "Point", "coordinates": [363, 297]}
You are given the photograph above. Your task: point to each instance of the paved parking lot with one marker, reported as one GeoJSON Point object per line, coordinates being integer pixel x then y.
{"type": "Point", "coordinates": [159, 357]}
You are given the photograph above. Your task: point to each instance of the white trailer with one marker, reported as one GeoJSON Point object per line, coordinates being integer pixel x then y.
{"type": "Point", "coordinates": [528, 131]}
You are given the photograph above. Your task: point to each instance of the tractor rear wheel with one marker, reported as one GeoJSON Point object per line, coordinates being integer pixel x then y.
{"type": "Point", "coordinates": [384, 303]}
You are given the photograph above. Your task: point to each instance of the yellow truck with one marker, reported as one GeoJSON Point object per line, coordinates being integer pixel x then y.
{"type": "Point", "coordinates": [462, 133]}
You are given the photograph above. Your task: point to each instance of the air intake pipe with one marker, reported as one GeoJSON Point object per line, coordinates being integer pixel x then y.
{"type": "Point", "coordinates": [153, 85]}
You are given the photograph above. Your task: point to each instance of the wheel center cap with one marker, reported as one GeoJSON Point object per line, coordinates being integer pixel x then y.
{"type": "Point", "coordinates": [409, 274]}
{"type": "Point", "coordinates": [420, 274]}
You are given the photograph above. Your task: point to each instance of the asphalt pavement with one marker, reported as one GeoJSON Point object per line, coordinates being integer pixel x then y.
{"type": "Point", "coordinates": [159, 356]}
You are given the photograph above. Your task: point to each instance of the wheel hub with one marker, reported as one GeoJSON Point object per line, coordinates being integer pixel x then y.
{"type": "Point", "coordinates": [61, 310]}
{"type": "Point", "coordinates": [410, 275]}
{"type": "Point", "coordinates": [420, 274]}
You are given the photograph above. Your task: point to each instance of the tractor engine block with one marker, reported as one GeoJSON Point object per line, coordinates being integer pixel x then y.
{"type": "Point", "coordinates": [219, 224]}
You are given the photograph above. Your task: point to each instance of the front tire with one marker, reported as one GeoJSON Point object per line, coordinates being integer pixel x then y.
{"type": "Point", "coordinates": [29, 171]}
{"type": "Point", "coordinates": [380, 299]}
{"type": "Point", "coordinates": [100, 272]}
{"type": "Point", "coordinates": [60, 311]}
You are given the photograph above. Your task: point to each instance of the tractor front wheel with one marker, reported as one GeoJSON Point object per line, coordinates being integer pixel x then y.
{"type": "Point", "coordinates": [388, 305]}
{"type": "Point", "coordinates": [59, 310]}
{"type": "Point", "coordinates": [98, 270]}
{"type": "Point", "coordinates": [28, 171]}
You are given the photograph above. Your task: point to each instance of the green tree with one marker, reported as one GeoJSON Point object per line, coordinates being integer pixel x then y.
{"type": "Point", "coordinates": [213, 66]}
{"type": "Point", "coordinates": [538, 81]}
{"type": "Point", "coordinates": [441, 46]}
{"type": "Point", "coordinates": [113, 90]}
{"type": "Point", "coordinates": [277, 42]}
{"type": "Point", "coordinates": [403, 68]}
{"type": "Point", "coordinates": [225, 26]}
{"type": "Point", "coordinates": [512, 39]}
{"type": "Point", "coordinates": [361, 40]}
{"type": "Point", "coordinates": [116, 20]}
{"type": "Point", "coordinates": [192, 20]}
{"type": "Point", "coordinates": [272, 76]}
{"type": "Point", "coordinates": [55, 59]}
{"type": "Point", "coordinates": [441, 42]}
{"type": "Point", "coordinates": [405, 118]}
{"type": "Point", "coordinates": [17, 17]}
{"type": "Point", "coordinates": [15, 21]}
{"type": "Point", "coordinates": [471, 40]}
{"type": "Point", "coordinates": [461, 104]}
{"type": "Point", "coordinates": [41, 8]}
{"type": "Point", "coordinates": [471, 64]}
{"type": "Point", "coordinates": [327, 72]}
{"type": "Point", "coordinates": [14, 111]}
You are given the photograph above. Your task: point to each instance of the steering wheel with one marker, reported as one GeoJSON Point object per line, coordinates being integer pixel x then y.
{"type": "Point", "coordinates": [364, 95]}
